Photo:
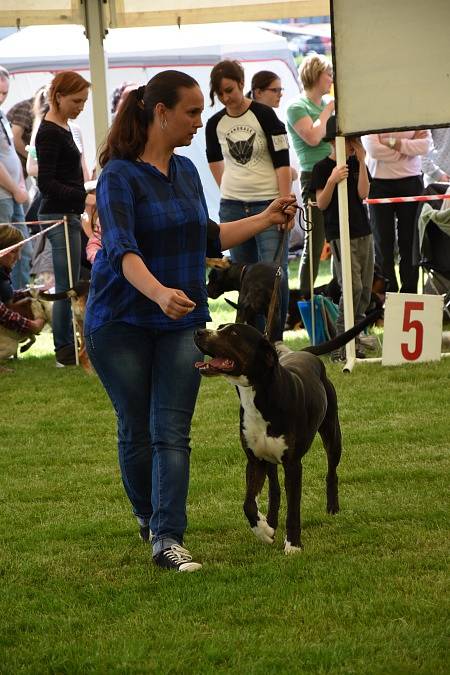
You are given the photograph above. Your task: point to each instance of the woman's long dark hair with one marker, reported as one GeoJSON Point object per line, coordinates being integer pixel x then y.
{"type": "Point", "coordinates": [128, 133]}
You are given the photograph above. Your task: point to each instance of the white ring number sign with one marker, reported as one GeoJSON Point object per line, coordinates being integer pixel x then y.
{"type": "Point", "coordinates": [412, 328]}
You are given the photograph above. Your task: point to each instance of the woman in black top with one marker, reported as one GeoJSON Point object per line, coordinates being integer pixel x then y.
{"type": "Point", "coordinates": [61, 183]}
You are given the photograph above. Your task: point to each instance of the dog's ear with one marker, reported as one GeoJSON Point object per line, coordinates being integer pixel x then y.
{"type": "Point", "coordinates": [218, 263]}
{"type": "Point", "coordinates": [268, 353]}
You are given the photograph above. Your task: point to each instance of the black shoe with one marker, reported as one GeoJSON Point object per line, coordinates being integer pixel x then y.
{"type": "Point", "coordinates": [338, 356]}
{"type": "Point", "coordinates": [65, 356]}
{"type": "Point", "coordinates": [176, 558]}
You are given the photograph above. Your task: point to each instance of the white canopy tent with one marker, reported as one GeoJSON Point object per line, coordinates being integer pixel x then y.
{"type": "Point", "coordinates": [131, 13]}
{"type": "Point", "coordinates": [100, 15]}
{"type": "Point", "coordinates": [33, 54]}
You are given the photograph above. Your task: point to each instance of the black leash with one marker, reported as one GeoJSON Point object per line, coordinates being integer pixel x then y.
{"type": "Point", "coordinates": [273, 306]}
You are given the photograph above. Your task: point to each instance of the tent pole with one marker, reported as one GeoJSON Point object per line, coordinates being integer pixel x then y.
{"type": "Point", "coordinates": [344, 235]}
{"type": "Point", "coordinates": [95, 33]}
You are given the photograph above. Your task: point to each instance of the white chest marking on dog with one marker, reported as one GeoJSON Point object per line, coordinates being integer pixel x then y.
{"type": "Point", "coordinates": [255, 430]}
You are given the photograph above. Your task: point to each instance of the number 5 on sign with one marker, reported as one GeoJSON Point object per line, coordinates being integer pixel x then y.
{"type": "Point", "coordinates": [412, 328]}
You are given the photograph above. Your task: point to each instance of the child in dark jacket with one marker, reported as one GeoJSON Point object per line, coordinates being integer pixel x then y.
{"type": "Point", "coordinates": [325, 177]}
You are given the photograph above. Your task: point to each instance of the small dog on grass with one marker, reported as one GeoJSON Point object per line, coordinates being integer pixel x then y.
{"type": "Point", "coordinates": [10, 340]}
{"type": "Point", "coordinates": [78, 294]}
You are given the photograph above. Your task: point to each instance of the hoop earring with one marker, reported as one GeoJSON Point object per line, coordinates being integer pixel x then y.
{"type": "Point", "coordinates": [163, 123]}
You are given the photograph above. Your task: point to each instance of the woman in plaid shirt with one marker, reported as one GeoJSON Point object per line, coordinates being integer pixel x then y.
{"type": "Point", "coordinates": [148, 296]}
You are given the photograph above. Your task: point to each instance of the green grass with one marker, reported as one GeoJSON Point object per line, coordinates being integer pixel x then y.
{"type": "Point", "coordinates": [369, 593]}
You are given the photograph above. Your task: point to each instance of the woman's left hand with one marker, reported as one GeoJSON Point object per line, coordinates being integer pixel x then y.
{"type": "Point", "coordinates": [281, 212]}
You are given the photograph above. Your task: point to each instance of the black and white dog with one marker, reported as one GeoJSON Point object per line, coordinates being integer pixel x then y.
{"type": "Point", "coordinates": [285, 401]}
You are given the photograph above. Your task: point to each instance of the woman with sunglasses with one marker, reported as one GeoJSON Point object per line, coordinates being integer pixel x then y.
{"type": "Point", "coordinates": [248, 154]}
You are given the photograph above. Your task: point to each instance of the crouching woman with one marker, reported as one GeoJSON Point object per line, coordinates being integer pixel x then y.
{"type": "Point", "coordinates": [14, 305]}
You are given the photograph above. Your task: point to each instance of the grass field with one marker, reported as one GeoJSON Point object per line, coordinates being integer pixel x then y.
{"type": "Point", "coordinates": [369, 593]}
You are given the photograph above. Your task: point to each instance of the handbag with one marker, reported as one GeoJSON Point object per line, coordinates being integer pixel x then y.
{"type": "Point", "coordinates": [325, 316]}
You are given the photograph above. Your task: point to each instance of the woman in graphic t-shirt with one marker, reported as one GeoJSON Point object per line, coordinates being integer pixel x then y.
{"type": "Point", "coordinates": [248, 154]}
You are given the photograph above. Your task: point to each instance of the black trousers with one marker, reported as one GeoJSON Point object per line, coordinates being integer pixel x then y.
{"type": "Point", "coordinates": [383, 222]}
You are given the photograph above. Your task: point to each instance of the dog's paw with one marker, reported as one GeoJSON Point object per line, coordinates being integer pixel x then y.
{"type": "Point", "coordinates": [263, 531]}
{"type": "Point", "coordinates": [289, 549]}
{"type": "Point", "coordinates": [333, 509]}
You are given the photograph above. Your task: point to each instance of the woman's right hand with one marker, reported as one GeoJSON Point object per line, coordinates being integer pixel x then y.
{"type": "Point", "coordinates": [281, 212]}
{"type": "Point", "coordinates": [174, 303]}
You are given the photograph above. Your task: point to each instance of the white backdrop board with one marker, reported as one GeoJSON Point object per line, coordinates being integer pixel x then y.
{"type": "Point", "coordinates": [392, 64]}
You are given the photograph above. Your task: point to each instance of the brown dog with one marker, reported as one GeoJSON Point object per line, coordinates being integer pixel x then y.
{"type": "Point", "coordinates": [78, 296]}
{"type": "Point", "coordinates": [11, 339]}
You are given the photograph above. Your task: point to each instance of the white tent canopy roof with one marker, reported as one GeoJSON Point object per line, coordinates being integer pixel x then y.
{"type": "Point", "coordinates": [130, 13]}
{"type": "Point", "coordinates": [61, 47]}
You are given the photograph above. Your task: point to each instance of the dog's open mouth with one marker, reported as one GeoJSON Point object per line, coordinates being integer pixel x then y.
{"type": "Point", "coordinates": [215, 366]}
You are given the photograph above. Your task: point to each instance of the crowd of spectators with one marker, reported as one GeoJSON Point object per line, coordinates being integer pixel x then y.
{"type": "Point", "coordinates": [250, 156]}
{"type": "Point", "coordinates": [149, 240]}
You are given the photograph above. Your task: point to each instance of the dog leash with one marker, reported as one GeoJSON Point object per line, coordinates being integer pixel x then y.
{"type": "Point", "coordinates": [268, 333]}
{"type": "Point", "coordinates": [273, 306]}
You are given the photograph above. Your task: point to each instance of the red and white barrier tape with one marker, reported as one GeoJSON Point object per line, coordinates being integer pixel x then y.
{"type": "Point", "coordinates": [31, 222]}
{"type": "Point", "coordinates": [399, 200]}
{"type": "Point", "coordinates": [4, 251]}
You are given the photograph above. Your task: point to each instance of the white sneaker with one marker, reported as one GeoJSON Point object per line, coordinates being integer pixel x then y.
{"type": "Point", "coordinates": [176, 558]}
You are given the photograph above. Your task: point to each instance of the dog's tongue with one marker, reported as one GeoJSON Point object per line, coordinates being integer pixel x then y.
{"type": "Point", "coordinates": [217, 363]}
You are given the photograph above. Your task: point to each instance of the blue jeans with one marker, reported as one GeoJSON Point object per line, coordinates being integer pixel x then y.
{"type": "Point", "coordinates": [261, 248]}
{"type": "Point", "coordinates": [150, 377]}
{"type": "Point", "coordinates": [12, 212]}
{"type": "Point", "coordinates": [62, 315]}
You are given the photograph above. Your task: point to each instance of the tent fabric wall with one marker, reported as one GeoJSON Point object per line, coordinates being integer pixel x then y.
{"type": "Point", "coordinates": [33, 54]}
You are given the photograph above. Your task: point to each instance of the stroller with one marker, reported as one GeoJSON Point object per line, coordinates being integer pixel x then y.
{"type": "Point", "coordinates": [433, 245]}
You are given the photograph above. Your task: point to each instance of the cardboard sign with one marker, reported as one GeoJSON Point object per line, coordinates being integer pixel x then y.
{"type": "Point", "coordinates": [412, 328]}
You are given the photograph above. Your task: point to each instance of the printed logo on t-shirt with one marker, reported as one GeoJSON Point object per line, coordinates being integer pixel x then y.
{"type": "Point", "coordinates": [280, 142]}
{"type": "Point", "coordinates": [241, 151]}
{"type": "Point", "coordinates": [245, 147]}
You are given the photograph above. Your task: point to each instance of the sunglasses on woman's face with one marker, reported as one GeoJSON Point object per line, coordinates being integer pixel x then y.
{"type": "Point", "coordinates": [276, 90]}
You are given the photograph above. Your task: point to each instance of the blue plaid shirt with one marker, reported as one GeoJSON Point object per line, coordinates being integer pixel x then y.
{"type": "Point", "coordinates": [162, 219]}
